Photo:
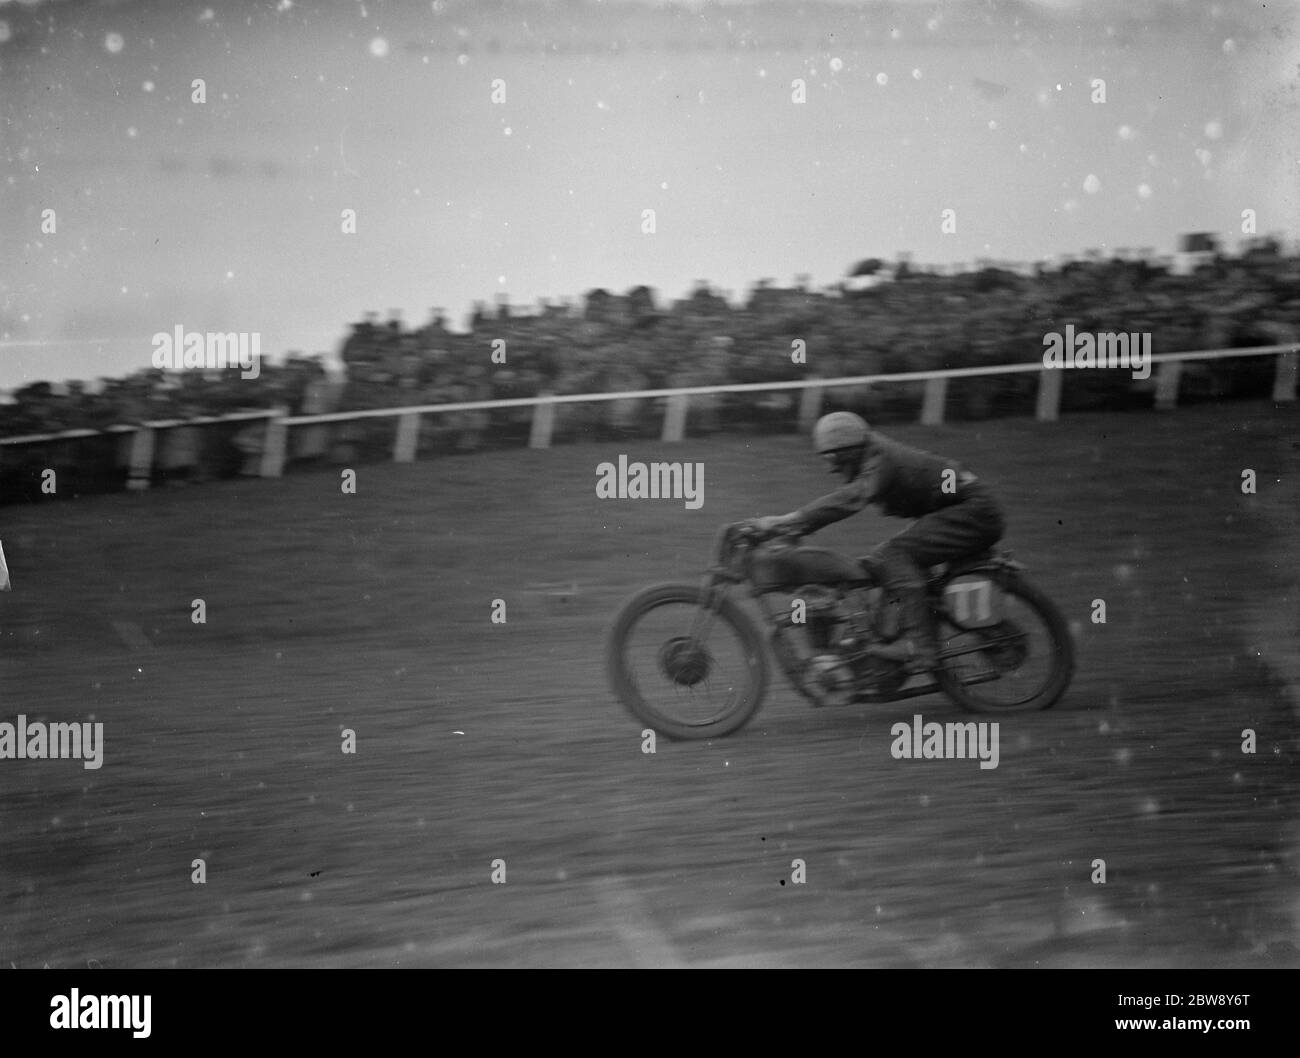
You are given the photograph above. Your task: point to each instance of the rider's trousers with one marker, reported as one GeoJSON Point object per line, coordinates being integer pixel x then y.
{"type": "Point", "coordinates": [967, 527]}
{"type": "Point", "coordinates": [971, 525]}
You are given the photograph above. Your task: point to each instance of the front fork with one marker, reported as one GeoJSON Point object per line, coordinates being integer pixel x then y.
{"type": "Point", "coordinates": [713, 589]}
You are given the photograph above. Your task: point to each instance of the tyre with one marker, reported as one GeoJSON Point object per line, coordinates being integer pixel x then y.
{"type": "Point", "coordinates": [1023, 662]}
{"type": "Point", "coordinates": [683, 670]}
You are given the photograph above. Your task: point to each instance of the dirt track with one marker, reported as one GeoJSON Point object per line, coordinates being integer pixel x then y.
{"type": "Point", "coordinates": [371, 612]}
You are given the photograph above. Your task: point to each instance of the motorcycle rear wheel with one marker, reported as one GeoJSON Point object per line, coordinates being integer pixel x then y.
{"type": "Point", "coordinates": [988, 670]}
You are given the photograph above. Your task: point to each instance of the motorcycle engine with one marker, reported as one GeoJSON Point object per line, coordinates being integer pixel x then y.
{"type": "Point", "coordinates": [889, 616]}
{"type": "Point", "coordinates": [819, 600]}
{"type": "Point", "coordinates": [823, 616]}
{"type": "Point", "coordinates": [832, 679]}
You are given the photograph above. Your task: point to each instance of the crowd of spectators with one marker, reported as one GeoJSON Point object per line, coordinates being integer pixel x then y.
{"type": "Point", "coordinates": [909, 320]}
{"type": "Point", "coordinates": [153, 395]}
{"type": "Point", "coordinates": [898, 318]}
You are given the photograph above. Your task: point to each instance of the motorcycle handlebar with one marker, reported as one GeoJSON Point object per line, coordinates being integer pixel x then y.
{"type": "Point", "coordinates": [736, 540]}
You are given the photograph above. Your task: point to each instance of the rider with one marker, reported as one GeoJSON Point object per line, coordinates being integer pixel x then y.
{"type": "Point", "coordinates": [956, 516]}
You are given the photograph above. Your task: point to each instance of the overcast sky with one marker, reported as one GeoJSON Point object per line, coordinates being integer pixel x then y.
{"type": "Point", "coordinates": [226, 214]}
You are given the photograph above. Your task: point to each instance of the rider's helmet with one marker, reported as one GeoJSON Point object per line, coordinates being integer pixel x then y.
{"type": "Point", "coordinates": [841, 438]}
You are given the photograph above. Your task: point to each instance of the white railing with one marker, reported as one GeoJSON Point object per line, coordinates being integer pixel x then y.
{"type": "Point", "coordinates": [278, 421]}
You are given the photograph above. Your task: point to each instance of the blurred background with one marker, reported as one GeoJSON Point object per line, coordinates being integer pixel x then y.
{"type": "Point", "coordinates": [226, 215]}
{"type": "Point", "coordinates": [1116, 166]}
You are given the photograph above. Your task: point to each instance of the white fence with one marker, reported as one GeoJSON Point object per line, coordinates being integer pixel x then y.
{"type": "Point", "coordinates": [278, 422]}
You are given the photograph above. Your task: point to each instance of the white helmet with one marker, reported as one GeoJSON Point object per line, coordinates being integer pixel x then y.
{"type": "Point", "coordinates": [840, 430]}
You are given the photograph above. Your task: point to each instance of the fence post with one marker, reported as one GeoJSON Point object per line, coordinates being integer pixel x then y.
{"type": "Point", "coordinates": [675, 417]}
{"type": "Point", "coordinates": [1284, 382]}
{"type": "Point", "coordinates": [1049, 395]}
{"type": "Point", "coordinates": [273, 444]}
{"type": "Point", "coordinates": [408, 436]}
{"type": "Point", "coordinates": [810, 406]}
{"type": "Point", "coordinates": [936, 393]}
{"type": "Point", "coordinates": [1167, 377]}
{"type": "Point", "coordinates": [543, 423]}
{"type": "Point", "coordinates": [141, 458]}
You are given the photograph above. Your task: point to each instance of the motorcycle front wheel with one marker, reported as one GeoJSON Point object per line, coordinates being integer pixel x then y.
{"type": "Point", "coordinates": [685, 665]}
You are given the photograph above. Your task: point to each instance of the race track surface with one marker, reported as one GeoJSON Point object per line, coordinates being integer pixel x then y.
{"type": "Point", "coordinates": [479, 742]}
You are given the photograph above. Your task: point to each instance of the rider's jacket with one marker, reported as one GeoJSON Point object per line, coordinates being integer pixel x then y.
{"type": "Point", "coordinates": [904, 482]}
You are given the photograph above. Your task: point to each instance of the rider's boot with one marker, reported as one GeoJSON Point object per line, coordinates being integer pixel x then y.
{"type": "Point", "coordinates": [915, 648]}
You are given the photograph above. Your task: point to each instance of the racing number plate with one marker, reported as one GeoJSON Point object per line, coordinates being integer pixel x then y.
{"type": "Point", "coordinates": [973, 602]}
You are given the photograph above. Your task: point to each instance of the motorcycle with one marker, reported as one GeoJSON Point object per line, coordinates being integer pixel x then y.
{"type": "Point", "coordinates": [690, 661]}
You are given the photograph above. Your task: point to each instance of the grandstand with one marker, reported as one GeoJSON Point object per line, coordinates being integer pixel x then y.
{"type": "Point", "coordinates": [908, 318]}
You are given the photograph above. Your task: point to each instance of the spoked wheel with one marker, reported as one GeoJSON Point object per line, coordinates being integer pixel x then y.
{"type": "Point", "coordinates": [1023, 662]}
{"type": "Point", "coordinates": [684, 669]}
